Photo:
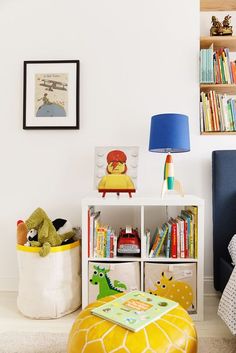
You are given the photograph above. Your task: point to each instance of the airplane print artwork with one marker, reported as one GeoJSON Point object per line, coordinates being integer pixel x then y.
{"type": "Point", "coordinates": [51, 95]}
{"type": "Point", "coordinates": [51, 85]}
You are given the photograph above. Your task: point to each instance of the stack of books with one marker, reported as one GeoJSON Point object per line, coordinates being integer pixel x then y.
{"type": "Point", "coordinates": [102, 240]}
{"type": "Point", "coordinates": [176, 238]}
{"type": "Point", "coordinates": [216, 67]}
{"type": "Point", "coordinates": [217, 112]}
{"type": "Point", "coordinates": [206, 65]}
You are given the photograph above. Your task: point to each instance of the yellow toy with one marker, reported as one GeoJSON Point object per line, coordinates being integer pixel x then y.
{"type": "Point", "coordinates": [174, 332]}
{"type": "Point", "coordinates": [180, 292]}
{"type": "Point", "coordinates": [116, 180]}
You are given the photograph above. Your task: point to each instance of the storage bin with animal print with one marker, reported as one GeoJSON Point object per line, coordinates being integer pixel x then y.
{"type": "Point", "coordinates": [174, 281]}
{"type": "Point", "coordinates": [112, 278]}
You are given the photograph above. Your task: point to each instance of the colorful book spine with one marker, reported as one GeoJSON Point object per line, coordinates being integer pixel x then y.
{"type": "Point", "coordinates": [181, 237]}
{"type": "Point", "coordinates": [115, 245]}
{"type": "Point", "coordinates": [168, 241]}
{"type": "Point", "coordinates": [174, 240]}
{"type": "Point", "coordinates": [108, 236]}
{"type": "Point", "coordinates": [156, 237]}
{"type": "Point", "coordinates": [187, 220]}
{"type": "Point", "coordinates": [226, 50]}
{"type": "Point", "coordinates": [194, 211]}
{"type": "Point", "coordinates": [148, 235]}
{"type": "Point", "coordinates": [163, 232]}
{"type": "Point", "coordinates": [112, 236]}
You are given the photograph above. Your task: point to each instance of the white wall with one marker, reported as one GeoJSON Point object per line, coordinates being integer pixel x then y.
{"type": "Point", "coordinates": [138, 58]}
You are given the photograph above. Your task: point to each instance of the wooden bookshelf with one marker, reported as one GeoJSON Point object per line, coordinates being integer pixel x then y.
{"type": "Point", "coordinates": [218, 42]}
{"type": "Point", "coordinates": [218, 133]}
{"type": "Point", "coordinates": [219, 88]}
{"type": "Point", "coordinates": [218, 5]}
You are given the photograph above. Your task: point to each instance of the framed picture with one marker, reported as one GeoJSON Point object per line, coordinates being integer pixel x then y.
{"type": "Point", "coordinates": [116, 169]}
{"type": "Point", "coordinates": [51, 95]}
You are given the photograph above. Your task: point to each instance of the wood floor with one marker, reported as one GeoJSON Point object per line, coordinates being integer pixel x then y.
{"type": "Point", "coordinates": [12, 320]}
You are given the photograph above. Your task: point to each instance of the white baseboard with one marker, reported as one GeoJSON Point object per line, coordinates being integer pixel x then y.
{"type": "Point", "coordinates": [11, 285]}
{"type": "Point", "coordinates": [8, 284]}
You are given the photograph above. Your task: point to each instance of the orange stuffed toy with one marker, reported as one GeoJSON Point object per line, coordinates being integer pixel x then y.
{"type": "Point", "coordinates": [21, 232]}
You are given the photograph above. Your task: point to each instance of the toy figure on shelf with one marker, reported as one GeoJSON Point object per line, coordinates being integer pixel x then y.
{"type": "Point", "coordinates": [116, 180]}
{"type": "Point", "coordinates": [129, 242]}
{"type": "Point", "coordinates": [221, 29]}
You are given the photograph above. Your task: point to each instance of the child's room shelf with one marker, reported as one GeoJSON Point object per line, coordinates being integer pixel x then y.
{"type": "Point", "coordinates": [167, 259]}
{"type": "Point", "coordinates": [218, 42]}
{"type": "Point", "coordinates": [143, 213]}
{"type": "Point", "coordinates": [229, 88]}
{"type": "Point", "coordinates": [218, 5]}
{"type": "Point", "coordinates": [218, 133]}
{"type": "Point", "coordinates": [145, 259]}
{"type": "Point", "coordinates": [115, 259]}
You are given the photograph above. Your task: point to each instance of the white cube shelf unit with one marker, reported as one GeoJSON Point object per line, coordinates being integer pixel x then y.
{"type": "Point", "coordinates": [143, 212]}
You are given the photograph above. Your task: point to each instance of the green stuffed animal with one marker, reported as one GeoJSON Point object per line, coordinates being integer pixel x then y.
{"type": "Point", "coordinates": [47, 234]}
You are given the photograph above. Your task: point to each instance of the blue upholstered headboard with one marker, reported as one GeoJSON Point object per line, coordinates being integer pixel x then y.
{"type": "Point", "coordinates": [224, 212]}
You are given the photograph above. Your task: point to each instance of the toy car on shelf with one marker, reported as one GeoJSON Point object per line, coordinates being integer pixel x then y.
{"type": "Point", "coordinates": [129, 242]}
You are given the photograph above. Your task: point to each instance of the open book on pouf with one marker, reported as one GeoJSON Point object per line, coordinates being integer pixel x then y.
{"type": "Point", "coordinates": [135, 310]}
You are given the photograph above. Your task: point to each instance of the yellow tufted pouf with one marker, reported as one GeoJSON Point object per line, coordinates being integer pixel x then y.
{"type": "Point", "coordinates": [174, 332]}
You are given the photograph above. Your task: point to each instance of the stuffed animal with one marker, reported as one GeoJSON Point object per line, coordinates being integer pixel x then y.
{"type": "Point", "coordinates": [47, 234]}
{"type": "Point", "coordinates": [63, 226]}
{"type": "Point", "coordinates": [21, 232]}
{"type": "Point", "coordinates": [32, 235]}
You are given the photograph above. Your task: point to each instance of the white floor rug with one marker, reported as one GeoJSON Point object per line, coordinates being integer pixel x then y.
{"type": "Point", "coordinates": [32, 342]}
{"type": "Point", "coordinates": [23, 342]}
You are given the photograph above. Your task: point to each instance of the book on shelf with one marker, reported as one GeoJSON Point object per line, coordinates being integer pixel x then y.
{"type": "Point", "coordinates": [176, 238]}
{"type": "Point", "coordinates": [106, 242]}
{"type": "Point", "coordinates": [206, 65]}
{"type": "Point", "coordinates": [216, 66]}
{"type": "Point", "coordinates": [182, 244]}
{"type": "Point", "coordinates": [146, 249]}
{"type": "Point", "coordinates": [162, 235]}
{"type": "Point", "coordinates": [168, 241]}
{"type": "Point", "coordinates": [155, 240]}
{"type": "Point", "coordinates": [194, 211]}
{"type": "Point", "coordinates": [94, 224]}
{"type": "Point", "coordinates": [135, 310]}
{"type": "Point", "coordinates": [92, 216]}
{"type": "Point", "coordinates": [217, 112]}
{"type": "Point", "coordinates": [102, 241]}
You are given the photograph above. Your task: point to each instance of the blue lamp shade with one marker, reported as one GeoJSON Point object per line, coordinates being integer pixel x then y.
{"type": "Point", "coordinates": [169, 133]}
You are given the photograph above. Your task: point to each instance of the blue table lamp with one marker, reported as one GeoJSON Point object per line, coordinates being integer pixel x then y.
{"type": "Point", "coordinates": [169, 133]}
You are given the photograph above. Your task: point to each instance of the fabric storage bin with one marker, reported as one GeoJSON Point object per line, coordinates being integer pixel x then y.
{"type": "Point", "coordinates": [174, 281]}
{"type": "Point", "coordinates": [112, 278]}
{"type": "Point", "coordinates": [49, 287]}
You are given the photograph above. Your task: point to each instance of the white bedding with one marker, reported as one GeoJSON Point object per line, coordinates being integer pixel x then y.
{"type": "Point", "coordinates": [227, 305]}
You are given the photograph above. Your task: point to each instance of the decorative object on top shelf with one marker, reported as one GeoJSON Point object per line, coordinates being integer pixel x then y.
{"type": "Point", "coordinates": [112, 164]}
{"type": "Point", "coordinates": [217, 5]}
{"type": "Point", "coordinates": [221, 29]}
{"type": "Point", "coordinates": [51, 94]}
{"type": "Point", "coordinates": [129, 242]}
{"type": "Point", "coordinates": [169, 133]}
